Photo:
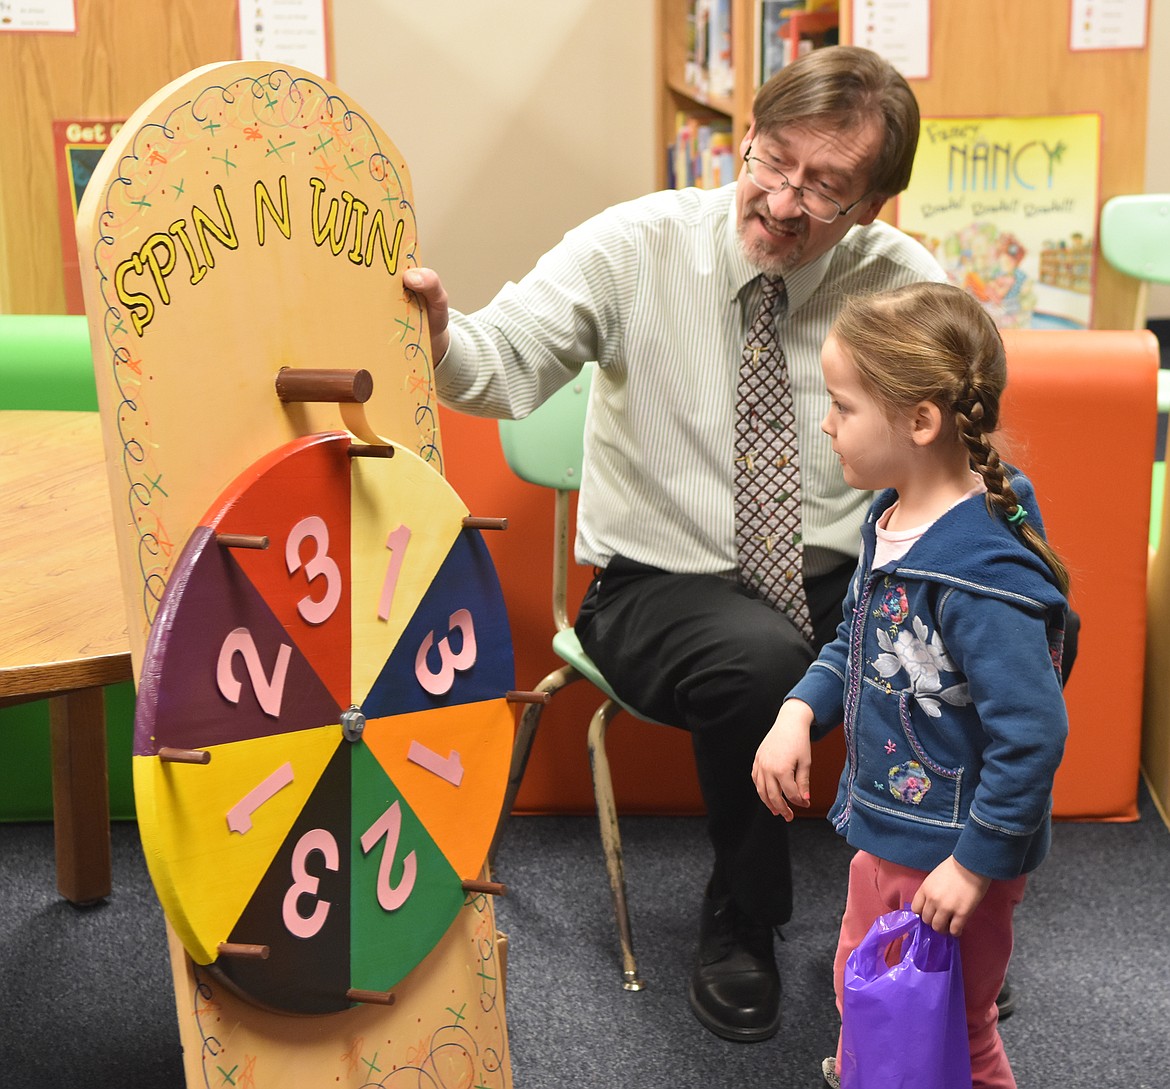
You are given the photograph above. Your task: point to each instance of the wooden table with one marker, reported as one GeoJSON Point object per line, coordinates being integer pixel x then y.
{"type": "Point", "coordinates": [63, 621]}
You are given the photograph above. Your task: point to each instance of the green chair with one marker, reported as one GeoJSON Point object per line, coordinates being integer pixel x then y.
{"type": "Point", "coordinates": [45, 363]}
{"type": "Point", "coordinates": [547, 448]}
{"type": "Point", "coordinates": [1135, 239]}
{"type": "Point", "coordinates": [1135, 235]}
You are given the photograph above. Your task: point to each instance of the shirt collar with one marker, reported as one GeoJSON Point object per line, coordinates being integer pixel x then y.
{"type": "Point", "coordinates": [800, 283]}
{"type": "Point", "coordinates": [740, 272]}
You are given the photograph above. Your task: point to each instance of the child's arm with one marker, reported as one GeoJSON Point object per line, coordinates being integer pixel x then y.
{"type": "Point", "coordinates": [784, 760]}
{"type": "Point", "coordinates": [949, 895]}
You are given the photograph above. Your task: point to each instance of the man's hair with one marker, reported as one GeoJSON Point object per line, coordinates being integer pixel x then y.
{"type": "Point", "coordinates": [843, 87]}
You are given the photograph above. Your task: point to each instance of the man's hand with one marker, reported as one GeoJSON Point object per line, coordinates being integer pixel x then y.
{"type": "Point", "coordinates": [948, 896]}
{"type": "Point", "coordinates": [425, 283]}
{"type": "Point", "coordinates": [784, 760]}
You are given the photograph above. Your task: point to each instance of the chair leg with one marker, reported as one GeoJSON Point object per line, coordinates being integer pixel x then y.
{"type": "Point", "coordinates": [522, 747]}
{"type": "Point", "coordinates": [611, 840]}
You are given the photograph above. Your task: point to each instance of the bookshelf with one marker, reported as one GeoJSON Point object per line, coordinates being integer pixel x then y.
{"type": "Point", "coordinates": [705, 108]}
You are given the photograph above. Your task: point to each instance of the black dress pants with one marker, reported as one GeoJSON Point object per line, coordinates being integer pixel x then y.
{"type": "Point", "coordinates": [702, 653]}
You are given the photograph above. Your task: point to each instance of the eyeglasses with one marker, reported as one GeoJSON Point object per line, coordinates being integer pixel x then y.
{"type": "Point", "coordinates": [766, 177]}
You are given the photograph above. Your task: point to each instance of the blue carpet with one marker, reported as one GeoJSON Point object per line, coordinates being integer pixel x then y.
{"type": "Point", "coordinates": [88, 998]}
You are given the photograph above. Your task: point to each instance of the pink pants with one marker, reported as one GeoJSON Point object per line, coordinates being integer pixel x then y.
{"type": "Point", "coordinates": [876, 887]}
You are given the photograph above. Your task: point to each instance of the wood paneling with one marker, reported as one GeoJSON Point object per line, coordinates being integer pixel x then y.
{"type": "Point", "coordinates": [122, 53]}
{"type": "Point", "coordinates": [1011, 59]}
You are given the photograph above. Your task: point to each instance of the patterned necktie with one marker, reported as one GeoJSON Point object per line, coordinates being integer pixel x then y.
{"type": "Point", "coordinates": [767, 468]}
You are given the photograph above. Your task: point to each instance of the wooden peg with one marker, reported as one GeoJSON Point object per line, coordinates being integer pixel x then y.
{"type": "Point", "coordinates": [528, 697]}
{"type": "Point", "coordinates": [184, 756]}
{"type": "Point", "coordinates": [245, 952]}
{"type": "Point", "coordinates": [471, 522]}
{"type": "Point", "coordinates": [371, 451]}
{"type": "Point", "coordinates": [320, 384]}
{"type": "Point", "coordinates": [373, 998]}
{"type": "Point", "coordinates": [492, 888]}
{"type": "Point", "coordinates": [241, 540]}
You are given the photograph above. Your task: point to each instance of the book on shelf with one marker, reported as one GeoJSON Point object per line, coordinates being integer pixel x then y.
{"type": "Point", "coordinates": [709, 69]}
{"type": "Point", "coordinates": [789, 29]}
{"type": "Point", "coordinates": [702, 153]}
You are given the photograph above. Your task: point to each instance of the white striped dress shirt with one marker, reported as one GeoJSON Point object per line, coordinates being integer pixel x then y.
{"type": "Point", "coordinates": [659, 293]}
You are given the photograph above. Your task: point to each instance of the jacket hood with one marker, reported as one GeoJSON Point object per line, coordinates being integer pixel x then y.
{"type": "Point", "coordinates": [996, 561]}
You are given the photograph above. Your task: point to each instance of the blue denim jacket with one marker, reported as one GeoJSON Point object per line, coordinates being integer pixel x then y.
{"type": "Point", "coordinates": [946, 675]}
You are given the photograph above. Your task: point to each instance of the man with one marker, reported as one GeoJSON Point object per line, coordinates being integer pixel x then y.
{"type": "Point", "coordinates": [663, 292]}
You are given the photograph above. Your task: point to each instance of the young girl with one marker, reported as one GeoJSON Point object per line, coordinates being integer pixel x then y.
{"type": "Point", "coordinates": [945, 669]}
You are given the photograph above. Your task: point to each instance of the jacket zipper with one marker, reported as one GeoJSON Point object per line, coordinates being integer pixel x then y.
{"type": "Point", "coordinates": [853, 695]}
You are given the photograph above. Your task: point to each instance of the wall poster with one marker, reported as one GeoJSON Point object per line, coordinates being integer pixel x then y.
{"type": "Point", "coordinates": [78, 145]}
{"type": "Point", "coordinates": [1008, 205]}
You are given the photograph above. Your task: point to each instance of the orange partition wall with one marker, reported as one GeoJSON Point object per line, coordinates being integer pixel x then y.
{"type": "Point", "coordinates": [557, 778]}
{"type": "Point", "coordinates": [1080, 417]}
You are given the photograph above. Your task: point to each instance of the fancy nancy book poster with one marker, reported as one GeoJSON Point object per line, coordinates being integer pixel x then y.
{"type": "Point", "coordinates": [1008, 206]}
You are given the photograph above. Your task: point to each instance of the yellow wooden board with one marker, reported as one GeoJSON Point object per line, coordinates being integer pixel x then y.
{"type": "Point", "coordinates": [246, 218]}
{"type": "Point", "coordinates": [445, 1029]}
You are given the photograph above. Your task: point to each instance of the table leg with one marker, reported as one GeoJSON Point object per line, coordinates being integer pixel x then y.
{"type": "Point", "coordinates": [81, 795]}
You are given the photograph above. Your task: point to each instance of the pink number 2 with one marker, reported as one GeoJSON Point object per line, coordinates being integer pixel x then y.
{"type": "Point", "coordinates": [389, 824]}
{"type": "Point", "coordinates": [269, 690]}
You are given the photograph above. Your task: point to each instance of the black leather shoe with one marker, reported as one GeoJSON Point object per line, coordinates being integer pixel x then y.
{"type": "Point", "coordinates": [1005, 1001]}
{"type": "Point", "coordinates": [735, 988]}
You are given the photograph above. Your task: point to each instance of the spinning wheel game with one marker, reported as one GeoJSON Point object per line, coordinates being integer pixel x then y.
{"type": "Point", "coordinates": [321, 646]}
{"type": "Point", "coordinates": [324, 725]}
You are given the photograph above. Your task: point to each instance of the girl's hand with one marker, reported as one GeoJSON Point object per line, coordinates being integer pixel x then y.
{"type": "Point", "coordinates": [784, 759]}
{"type": "Point", "coordinates": [948, 896]}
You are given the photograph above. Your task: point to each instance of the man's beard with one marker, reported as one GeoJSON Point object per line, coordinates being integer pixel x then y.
{"type": "Point", "coordinates": [762, 257]}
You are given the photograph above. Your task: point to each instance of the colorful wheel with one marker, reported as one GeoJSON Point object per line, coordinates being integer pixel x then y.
{"type": "Point", "coordinates": [348, 685]}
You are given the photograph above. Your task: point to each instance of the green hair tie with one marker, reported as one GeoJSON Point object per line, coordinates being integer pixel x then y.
{"type": "Point", "coordinates": [1017, 516]}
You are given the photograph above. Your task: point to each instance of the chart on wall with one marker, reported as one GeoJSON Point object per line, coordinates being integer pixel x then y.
{"type": "Point", "coordinates": [1008, 206]}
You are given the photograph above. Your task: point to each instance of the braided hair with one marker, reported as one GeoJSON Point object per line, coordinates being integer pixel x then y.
{"type": "Point", "coordinates": [934, 342]}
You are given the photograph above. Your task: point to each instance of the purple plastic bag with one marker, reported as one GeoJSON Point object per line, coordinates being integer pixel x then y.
{"type": "Point", "coordinates": [904, 1027]}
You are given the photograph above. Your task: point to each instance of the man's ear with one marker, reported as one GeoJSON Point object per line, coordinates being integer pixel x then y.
{"type": "Point", "coordinates": [925, 423]}
{"type": "Point", "coordinates": [870, 210]}
{"type": "Point", "coordinates": [747, 141]}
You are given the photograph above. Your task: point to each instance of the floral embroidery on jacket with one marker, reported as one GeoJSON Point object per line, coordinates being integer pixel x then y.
{"type": "Point", "coordinates": [893, 604]}
{"type": "Point", "coordinates": [924, 659]}
{"type": "Point", "coordinates": [909, 782]}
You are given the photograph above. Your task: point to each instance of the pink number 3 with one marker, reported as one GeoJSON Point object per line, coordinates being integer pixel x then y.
{"type": "Point", "coordinates": [322, 842]}
{"type": "Point", "coordinates": [319, 564]}
{"type": "Point", "coordinates": [449, 662]}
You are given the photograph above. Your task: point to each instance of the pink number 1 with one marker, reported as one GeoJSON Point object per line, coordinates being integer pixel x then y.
{"type": "Point", "coordinates": [396, 542]}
